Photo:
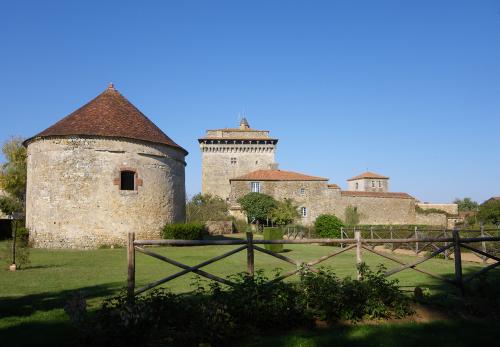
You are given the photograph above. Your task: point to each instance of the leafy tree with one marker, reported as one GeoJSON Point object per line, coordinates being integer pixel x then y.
{"type": "Point", "coordinates": [466, 204]}
{"type": "Point", "coordinates": [257, 206]}
{"type": "Point", "coordinates": [352, 215]}
{"type": "Point", "coordinates": [328, 225]}
{"type": "Point", "coordinates": [13, 176]}
{"type": "Point", "coordinates": [284, 213]}
{"type": "Point", "coordinates": [203, 207]}
{"type": "Point", "coordinates": [489, 212]}
{"type": "Point", "coordinates": [13, 183]}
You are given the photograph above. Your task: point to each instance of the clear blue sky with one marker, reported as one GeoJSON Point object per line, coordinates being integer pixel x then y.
{"type": "Point", "coordinates": [408, 89]}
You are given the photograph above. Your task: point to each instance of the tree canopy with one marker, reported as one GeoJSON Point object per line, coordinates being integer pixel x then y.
{"type": "Point", "coordinates": [257, 206]}
{"type": "Point", "coordinates": [13, 176]}
{"type": "Point", "coordinates": [466, 204]}
{"type": "Point", "coordinates": [204, 207]}
{"type": "Point", "coordinates": [489, 212]}
{"type": "Point", "coordinates": [284, 213]}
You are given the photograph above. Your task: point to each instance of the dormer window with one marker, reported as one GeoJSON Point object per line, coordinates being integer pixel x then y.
{"type": "Point", "coordinates": [127, 180]}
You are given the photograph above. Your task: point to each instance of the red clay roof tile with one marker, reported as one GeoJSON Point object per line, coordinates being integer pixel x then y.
{"type": "Point", "coordinates": [367, 175]}
{"type": "Point", "coordinates": [277, 175]}
{"type": "Point", "coordinates": [111, 115]}
{"type": "Point", "coordinates": [376, 194]}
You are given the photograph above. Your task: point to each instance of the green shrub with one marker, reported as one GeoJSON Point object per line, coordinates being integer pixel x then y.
{"type": "Point", "coordinates": [352, 216]}
{"type": "Point", "coordinates": [184, 231]}
{"type": "Point", "coordinates": [374, 296]}
{"type": "Point", "coordinates": [328, 226]}
{"type": "Point", "coordinates": [219, 315]}
{"type": "Point", "coordinates": [213, 316]}
{"type": "Point", "coordinates": [241, 226]}
{"type": "Point", "coordinates": [273, 234]}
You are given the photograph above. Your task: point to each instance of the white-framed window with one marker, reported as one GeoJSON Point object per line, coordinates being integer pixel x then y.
{"type": "Point", "coordinates": [255, 187]}
{"type": "Point", "coordinates": [302, 191]}
{"type": "Point", "coordinates": [303, 211]}
{"type": "Point", "coordinates": [357, 185]}
{"type": "Point", "coordinates": [373, 184]}
{"type": "Point", "coordinates": [379, 184]}
{"type": "Point", "coordinates": [233, 161]}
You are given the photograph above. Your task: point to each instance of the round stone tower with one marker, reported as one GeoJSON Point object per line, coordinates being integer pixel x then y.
{"type": "Point", "coordinates": [101, 172]}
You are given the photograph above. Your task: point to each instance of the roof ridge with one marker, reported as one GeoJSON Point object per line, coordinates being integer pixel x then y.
{"type": "Point", "coordinates": [277, 175]}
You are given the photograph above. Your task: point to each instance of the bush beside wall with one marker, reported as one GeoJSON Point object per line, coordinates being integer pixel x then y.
{"type": "Point", "coordinates": [328, 226]}
{"type": "Point", "coordinates": [184, 231]}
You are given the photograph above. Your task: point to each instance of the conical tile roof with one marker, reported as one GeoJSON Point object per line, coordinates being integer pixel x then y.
{"type": "Point", "coordinates": [110, 114]}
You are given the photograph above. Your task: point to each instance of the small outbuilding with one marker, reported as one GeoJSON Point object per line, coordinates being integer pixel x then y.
{"type": "Point", "coordinates": [101, 172]}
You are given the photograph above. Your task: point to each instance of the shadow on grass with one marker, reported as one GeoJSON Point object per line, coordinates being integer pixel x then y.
{"type": "Point", "coordinates": [455, 333]}
{"type": "Point", "coordinates": [27, 305]}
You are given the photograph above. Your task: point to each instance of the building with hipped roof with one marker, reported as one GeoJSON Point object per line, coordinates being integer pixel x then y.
{"type": "Point", "coordinates": [101, 172]}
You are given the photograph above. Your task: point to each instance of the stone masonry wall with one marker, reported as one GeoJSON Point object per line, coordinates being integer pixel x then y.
{"type": "Point", "coordinates": [74, 199]}
{"type": "Point", "coordinates": [435, 219]}
{"type": "Point", "coordinates": [380, 210]}
{"type": "Point", "coordinates": [365, 185]}
{"type": "Point", "coordinates": [217, 168]}
{"type": "Point", "coordinates": [448, 208]}
{"type": "Point", "coordinates": [317, 197]}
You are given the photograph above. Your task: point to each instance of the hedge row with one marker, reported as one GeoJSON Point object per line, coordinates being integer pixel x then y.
{"type": "Point", "coordinates": [184, 231]}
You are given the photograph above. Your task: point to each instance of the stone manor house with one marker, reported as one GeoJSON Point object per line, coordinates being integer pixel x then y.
{"type": "Point", "coordinates": [237, 161]}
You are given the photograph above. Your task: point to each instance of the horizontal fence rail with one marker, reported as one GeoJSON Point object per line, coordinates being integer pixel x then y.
{"type": "Point", "coordinates": [441, 244]}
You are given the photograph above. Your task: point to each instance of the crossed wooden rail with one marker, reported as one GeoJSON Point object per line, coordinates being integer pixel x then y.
{"type": "Point", "coordinates": [251, 245]}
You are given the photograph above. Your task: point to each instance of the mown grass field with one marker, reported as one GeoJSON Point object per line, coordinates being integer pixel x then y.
{"type": "Point", "coordinates": [32, 299]}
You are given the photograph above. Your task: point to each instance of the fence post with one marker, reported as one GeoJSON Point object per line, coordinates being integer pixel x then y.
{"type": "Point", "coordinates": [359, 258]}
{"type": "Point", "coordinates": [458, 260]}
{"type": "Point", "coordinates": [371, 236]}
{"type": "Point", "coordinates": [341, 236]}
{"type": "Point", "coordinates": [392, 244]}
{"type": "Point", "coordinates": [250, 254]}
{"type": "Point", "coordinates": [445, 233]}
{"type": "Point", "coordinates": [131, 266]}
{"type": "Point", "coordinates": [416, 242]}
{"type": "Point", "coordinates": [483, 244]}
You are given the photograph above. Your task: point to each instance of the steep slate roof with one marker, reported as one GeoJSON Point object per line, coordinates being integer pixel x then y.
{"type": "Point", "coordinates": [110, 114]}
{"type": "Point", "coordinates": [368, 175]}
{"type": "Point", "coordinates": [276, 175]}
{"type": "Point", "coordinates": [376, 194]}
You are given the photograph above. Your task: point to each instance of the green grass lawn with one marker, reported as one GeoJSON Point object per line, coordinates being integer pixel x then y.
{"type": "Point", "coordinates": [32, 299]}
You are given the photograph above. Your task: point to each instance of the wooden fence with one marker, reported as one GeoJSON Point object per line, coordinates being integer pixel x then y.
{"type": "Point", "coordinates": [418, 233]}
{"type": "Point", "coordinates": [454, 242]}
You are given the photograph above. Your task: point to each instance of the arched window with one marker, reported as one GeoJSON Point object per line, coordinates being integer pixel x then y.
{"type": "Point", "coordinates": [127, 180]}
